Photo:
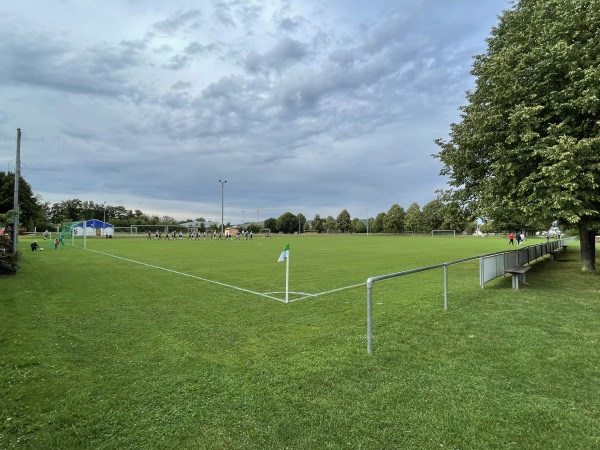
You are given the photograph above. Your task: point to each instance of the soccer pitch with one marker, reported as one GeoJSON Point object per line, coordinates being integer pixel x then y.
{"type": "Point", "coordinates": [320, 264]}
{"type": "Point", "coordinates": [135, 343]}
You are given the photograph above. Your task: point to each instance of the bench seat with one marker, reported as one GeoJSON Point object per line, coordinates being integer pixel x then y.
{"type": "Point", "coordinates": [518, 274]}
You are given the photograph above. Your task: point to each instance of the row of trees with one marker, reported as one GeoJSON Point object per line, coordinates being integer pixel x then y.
{"type": "Point", "coordinates": [33, 212]}
{"type": "Point", "coordinates": [36, 214]}
{"type": "Point", "coordinates": [434, 215]}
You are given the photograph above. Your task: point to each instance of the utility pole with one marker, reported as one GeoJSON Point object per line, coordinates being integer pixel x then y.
{"type": "Point", "coordinates": [222, 196]}
{"type": "Point", "coordinates": [16, 198]}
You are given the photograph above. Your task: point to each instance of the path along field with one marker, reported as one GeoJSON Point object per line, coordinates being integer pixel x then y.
{"type": "Point", "coordinates": [135, 343]}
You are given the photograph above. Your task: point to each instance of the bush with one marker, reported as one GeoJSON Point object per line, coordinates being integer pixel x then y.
{"type": "Point", "coordinates": [8, 259]}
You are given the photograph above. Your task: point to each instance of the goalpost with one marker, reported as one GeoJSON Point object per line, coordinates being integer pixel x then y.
{"type": "Point", "coordinates": [446, 233]}
{"type": "Point", "coordinates": [131, 230]}
{"type": "Point", "coordinates": [265, 232]}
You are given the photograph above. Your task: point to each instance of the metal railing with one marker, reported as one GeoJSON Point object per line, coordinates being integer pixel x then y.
{"type": "Point", "coordinates": [501, 260]}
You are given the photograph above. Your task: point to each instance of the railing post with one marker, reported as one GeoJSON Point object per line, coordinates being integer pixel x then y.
{"type": "Point", "coordinates": [445, 287]}
{"type": "Point", "coordinates": [369, 316]}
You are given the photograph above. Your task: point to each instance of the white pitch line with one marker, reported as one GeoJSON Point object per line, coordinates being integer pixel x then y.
{"type": "Point", "coordinates": [188, 275]}
{"type": "Point", "coordinates": [328, 292]}
{"type": "Point", "coordinates": [266, 295]}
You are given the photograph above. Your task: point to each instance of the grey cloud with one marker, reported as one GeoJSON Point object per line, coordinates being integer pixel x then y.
{"type": "Point", "coordinates": [247, 12]}
{"type": "Point", "coordinates": [342, 57]}
{"type": "Point", "coordinates": [177, 21]}
{"type": "Point", "coordinates": [196, 48]}
{"type": "Point", "coordinates": [181, 85]}
{"type": "Point", "coordinates": [289, 24]}
{"type": "Point", "coordinates": [284, 53]}
{"type": "Point", "coordinates": [41, 61]}
{"type": "Point", "coordinates": [190, 53]}
{"type": "Point", "coordinates": [224, 87]}
{"type": "Point", "coordinates": [223, 14]}
{"type": "Point", "coordinates": [178, 62]}
{"type": "Point", "coordinates": [165, 48]}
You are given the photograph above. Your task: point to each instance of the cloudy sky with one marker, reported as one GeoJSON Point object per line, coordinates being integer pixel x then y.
{"type": "Point", "coordinates": [306, 106]}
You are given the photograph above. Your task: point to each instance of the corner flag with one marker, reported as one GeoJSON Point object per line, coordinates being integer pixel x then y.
{"type": "Point", "coordinates": [285, 254]}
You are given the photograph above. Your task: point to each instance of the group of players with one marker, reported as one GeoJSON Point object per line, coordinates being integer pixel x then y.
{"type": "Point", "coordinates": [197, 235]}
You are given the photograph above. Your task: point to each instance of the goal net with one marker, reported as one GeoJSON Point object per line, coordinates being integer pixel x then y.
{"type": "Point", "coordinates": [265, 232]}
{"type": "Point", "coordinates": [446, 233]}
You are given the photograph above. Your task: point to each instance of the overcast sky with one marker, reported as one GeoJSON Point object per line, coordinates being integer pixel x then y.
{"type": "Point", "coordinates": [306, 106]}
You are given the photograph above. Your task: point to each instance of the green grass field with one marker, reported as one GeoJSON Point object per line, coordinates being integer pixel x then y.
{"type": "Point", "coordinates": [188, 344]}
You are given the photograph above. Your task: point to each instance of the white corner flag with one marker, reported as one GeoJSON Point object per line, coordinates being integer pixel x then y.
{"type": "Point", "coordinates": [285, 256]}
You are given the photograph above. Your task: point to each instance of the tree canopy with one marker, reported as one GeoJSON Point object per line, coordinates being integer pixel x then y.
{"type": "Point", "coordinates": [527, 148]}
{"type": "Point", "coordinates": [343, 222]}
{"type": "Point", "coordinates": [393, 222]}
{"type": "Point", "coordinates": [30, 209]}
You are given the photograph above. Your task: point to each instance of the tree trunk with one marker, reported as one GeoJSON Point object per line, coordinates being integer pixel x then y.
{"type": "Point", "coordinates": [588, 249]}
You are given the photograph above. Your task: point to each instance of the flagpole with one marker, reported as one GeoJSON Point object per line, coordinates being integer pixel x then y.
{"type": "Point", "coordinates": [285, 254]}
{"type": "Point", "coordinates": [287, 277]}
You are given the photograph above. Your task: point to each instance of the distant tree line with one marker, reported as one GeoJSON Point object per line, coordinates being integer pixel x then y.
{"type": "Point", "coordinates": [434, 215]}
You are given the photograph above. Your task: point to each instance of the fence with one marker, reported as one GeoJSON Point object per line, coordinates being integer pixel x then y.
{"type": "Point", "coordinates": [491, 266]}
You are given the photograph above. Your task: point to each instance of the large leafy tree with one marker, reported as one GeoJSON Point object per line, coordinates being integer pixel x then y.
{"type": "Point", "coordinates": [414, 218]}
{"type": "Point", "coordinates": [393, 222]}
{"type": "Point", "coordinates": [528, 145]}
{"type": "Point", "coordinates": [287, 222]}
{"type": "Point", "coordinates": [344, 222]}
{"type": "Point", "coordinates": [455, 218]}
{"type": "Point", "coordinates": [377, 223]}
{"type": "Point", "coordinates": [330, 224]}
{"type": "Point", "coordinates": [31, 210]}
{"type": "Point", "coordinates": [433, 215]}
{"type": "Point", "coordinates": [318, 224]}
{"type": "Point", "coordinates": [271, 224]}
{"type": "Point", "coordinates": [358, 226]}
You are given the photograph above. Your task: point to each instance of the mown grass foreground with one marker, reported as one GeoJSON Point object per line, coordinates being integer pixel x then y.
{"type": "Point", "coordinates": [145, 344]}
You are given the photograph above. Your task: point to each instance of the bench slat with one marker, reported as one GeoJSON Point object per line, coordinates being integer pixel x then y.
{"type": "Point", "coordinates": [520, 269]}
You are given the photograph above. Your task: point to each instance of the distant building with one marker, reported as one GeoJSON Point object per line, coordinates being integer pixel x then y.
{"type": "Point", "coordinates": [233, 231]}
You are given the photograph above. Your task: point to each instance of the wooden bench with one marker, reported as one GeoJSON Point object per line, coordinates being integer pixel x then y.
{"type": "Point", "coordinates": [518, 274]}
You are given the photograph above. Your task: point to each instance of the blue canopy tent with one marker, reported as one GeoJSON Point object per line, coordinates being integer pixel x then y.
{"type": "Point", "coordinates": [93, 227]}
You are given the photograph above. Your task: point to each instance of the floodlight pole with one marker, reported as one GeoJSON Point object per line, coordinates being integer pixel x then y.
{"type": "Point", "coordinates": [367, 221]}
{"type": "Point", "coordinates": [222, 197]}
{"type": "Point", "coordinates": [104, 221]}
